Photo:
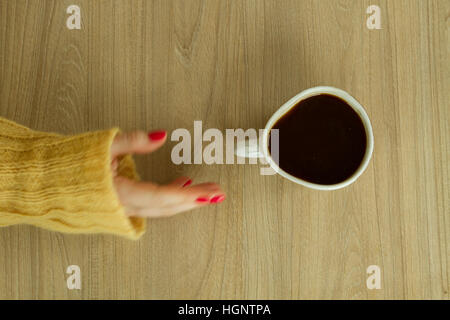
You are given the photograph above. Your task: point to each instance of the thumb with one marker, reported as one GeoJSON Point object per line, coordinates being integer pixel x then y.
{"type": "Point", "coordinates": [137, 142]}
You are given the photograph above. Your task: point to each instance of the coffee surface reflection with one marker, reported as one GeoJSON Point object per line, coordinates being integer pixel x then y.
{"type": "Point", "coordinates": [322, 140]}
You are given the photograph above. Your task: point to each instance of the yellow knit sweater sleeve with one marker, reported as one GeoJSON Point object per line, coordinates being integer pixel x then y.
{"type": "Point", "coordinates": [62, 183]}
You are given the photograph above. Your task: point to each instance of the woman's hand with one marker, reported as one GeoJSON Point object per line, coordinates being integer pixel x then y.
{"type": "Point", "coordinates": [146, 199]}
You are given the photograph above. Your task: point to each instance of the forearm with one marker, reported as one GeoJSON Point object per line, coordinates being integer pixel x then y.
{"type": "Point", "coordinates": [62, 183]}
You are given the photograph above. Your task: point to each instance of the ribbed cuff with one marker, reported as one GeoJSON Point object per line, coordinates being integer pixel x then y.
{"type": "Point", "coordinates": [64, 183]}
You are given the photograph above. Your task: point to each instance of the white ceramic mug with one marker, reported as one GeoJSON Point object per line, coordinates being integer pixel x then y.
{"type": "Point", "coordinates": [251, 150]}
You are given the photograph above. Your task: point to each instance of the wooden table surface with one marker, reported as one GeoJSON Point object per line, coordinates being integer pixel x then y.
{"type": "Point", "coordinates": [164, 64]}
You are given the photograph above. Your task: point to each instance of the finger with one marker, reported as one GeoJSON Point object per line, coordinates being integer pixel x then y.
{"type": "Point", "coordinates": [146, 194]}
{"type": "Point", "coordinates": [137, 142]}
{"type": "Point", "coordinates": [181, 182]}
{"type": "Point", "coordinates": [181, 200]}
{"type": "Point", "coordinates": [150, 200]}
{"type": "Point", "coordinates": [205, 193]}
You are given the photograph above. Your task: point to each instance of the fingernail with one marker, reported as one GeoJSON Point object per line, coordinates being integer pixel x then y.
{"type": "Point", "coordinates": [217, 199]}
{"type": "Point", "coordinates": [187, 183]}
{"type": "Point", "coordinates": [202, 199]}
{"type": "Point", "coordinates": [157, 135]}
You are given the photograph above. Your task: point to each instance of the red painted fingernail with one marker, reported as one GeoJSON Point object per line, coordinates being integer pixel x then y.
{"type": "Point", "coordinates": [157, 135]}
{"type": "Point", "coordinates": [187, 183]}
{"type": "Point", "coordinates": [217, 199]}
{"type": "Point", "coordinates": [202, 199]}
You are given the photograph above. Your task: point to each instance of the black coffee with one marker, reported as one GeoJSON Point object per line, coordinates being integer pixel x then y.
{"type": "Point", "coordinates": [322, 140]}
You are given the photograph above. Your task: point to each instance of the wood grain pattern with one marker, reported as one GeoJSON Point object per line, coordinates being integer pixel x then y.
{"type": "Point", "coordinates": [165, 63]}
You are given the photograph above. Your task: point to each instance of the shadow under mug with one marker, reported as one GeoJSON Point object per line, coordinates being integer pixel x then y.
{"type": "Point", "coordinates": [260, 148]}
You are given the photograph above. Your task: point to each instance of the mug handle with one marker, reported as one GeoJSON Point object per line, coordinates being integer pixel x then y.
{"type": "Point", "coordinates": [249, 150]}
